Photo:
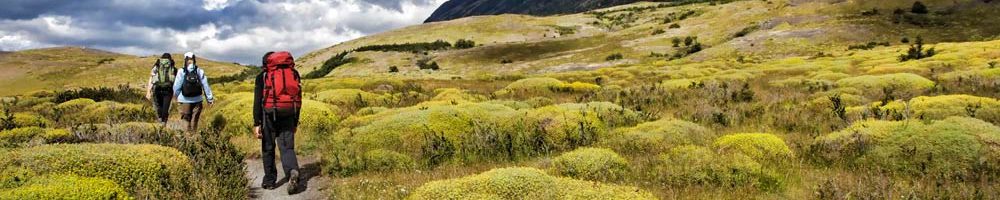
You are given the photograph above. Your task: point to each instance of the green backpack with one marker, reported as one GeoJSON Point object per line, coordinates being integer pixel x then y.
{"type": "Point", "coordinates": [165, 73]}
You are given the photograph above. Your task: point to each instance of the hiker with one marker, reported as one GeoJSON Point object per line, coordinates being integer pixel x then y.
{"type": "Point", "coordinates": [277, 102]}
{"type": "Point", "coordinates": [159, 89]}
{"type": "Point", "coordinates": [189, 86]}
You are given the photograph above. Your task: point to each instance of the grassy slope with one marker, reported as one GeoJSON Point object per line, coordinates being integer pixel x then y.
{"type": "Point", "coordinates": [787, 29]}
{"type": "Point", "coordinates": [70, 67]}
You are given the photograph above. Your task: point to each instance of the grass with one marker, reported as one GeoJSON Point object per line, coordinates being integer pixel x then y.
{"type": "Point", "coordinates": [75, 67]}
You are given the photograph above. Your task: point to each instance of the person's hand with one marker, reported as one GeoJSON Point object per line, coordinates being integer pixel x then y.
{"type": "Point", "coordinates": [256, 132]}
{"type": "Point", "coordinates": [149, 96]}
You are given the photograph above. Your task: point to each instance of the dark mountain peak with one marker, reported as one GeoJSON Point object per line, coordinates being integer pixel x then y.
{"type": "Point", "coordinates": [455, 9]}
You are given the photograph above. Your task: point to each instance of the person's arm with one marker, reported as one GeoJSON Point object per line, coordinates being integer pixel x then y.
{"type": "Point", "coordinates": [258, 107]}
{"type": "Point", "coordinates": [204, 84]}
{"type": "Point", "coordinates": [178, 80]}
{"type": "Point", "coordinates": [149, 84]}
{"type": "Point", "coordinates": [258, 99]}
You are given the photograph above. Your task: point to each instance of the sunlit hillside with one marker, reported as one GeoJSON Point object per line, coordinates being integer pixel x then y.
{"type": "Point", "coordinates": [75, 67]}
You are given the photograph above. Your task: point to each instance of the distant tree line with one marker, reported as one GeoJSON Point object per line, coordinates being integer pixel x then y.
{"type": "Point", "coordinates": [329, 65]}
{"type": "Point", "coordinates": [122, 93]}
{"type": "Point", "coordinates": [419, 46]}
{"type": "Point", "coordinates": [867, 46]}
{"type": "Point", "coordinates": [247, 73]}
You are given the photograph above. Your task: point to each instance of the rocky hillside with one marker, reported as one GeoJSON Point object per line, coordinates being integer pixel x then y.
{"type": "Point", "coordinates": [455, 9]}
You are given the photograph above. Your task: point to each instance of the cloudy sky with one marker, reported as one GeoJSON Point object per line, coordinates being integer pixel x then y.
{"type": "Point", "coordinates": [231, 30]}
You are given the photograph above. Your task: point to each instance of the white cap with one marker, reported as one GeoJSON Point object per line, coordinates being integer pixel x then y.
{"type": "Point", "coordinates": [188, 55]}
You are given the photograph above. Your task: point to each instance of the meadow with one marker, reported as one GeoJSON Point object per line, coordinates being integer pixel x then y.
{"type": "Point", "coordinates": [770, 106]}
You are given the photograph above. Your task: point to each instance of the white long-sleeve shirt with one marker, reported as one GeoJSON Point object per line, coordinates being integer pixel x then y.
{"type": "Point", "coordinates": [179, 80]}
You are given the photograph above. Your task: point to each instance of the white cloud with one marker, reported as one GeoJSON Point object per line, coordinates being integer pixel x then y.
{"type": "Point", "coordinates": [297, 26]}
{"type": "Point", "coordinates": [217, 4]}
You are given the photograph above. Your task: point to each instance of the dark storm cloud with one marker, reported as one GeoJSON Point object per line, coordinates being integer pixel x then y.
{"type": "Point", "coordinates": [174, 14]}
{"type": "Point", "coordinates": [225, 29]}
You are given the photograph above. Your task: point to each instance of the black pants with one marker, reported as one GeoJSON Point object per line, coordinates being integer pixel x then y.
{"type": "Point", "coordinates": [279, 128]}
{"type": "Point", "coordinates": [162, 98]}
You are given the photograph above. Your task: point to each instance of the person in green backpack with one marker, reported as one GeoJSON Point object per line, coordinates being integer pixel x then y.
{"type": "Point", "coordinates": [160, 88]}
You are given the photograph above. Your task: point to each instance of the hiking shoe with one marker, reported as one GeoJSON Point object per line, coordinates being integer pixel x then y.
{"type": "Point", "coordinates": [293, 181]}
{"type": "Point", "coordinates": [268, 186]}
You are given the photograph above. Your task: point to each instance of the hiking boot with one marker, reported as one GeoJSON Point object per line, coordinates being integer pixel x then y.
{"type": "Point", "coordinates": [293, 181]}
{"type": "Point", "coordinates": [268, 186]}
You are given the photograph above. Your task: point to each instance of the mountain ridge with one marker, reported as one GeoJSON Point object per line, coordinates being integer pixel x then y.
{"type": "Point", "coordinates": [455, 9]}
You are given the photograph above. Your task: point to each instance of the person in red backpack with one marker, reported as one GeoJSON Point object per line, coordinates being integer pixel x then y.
{"type": "Point", "coordinates": [277, 102]}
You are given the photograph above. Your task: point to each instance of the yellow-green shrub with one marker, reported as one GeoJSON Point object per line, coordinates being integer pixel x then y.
{"type": "Point", "coordinates": [236, 109]}
{"type": "Point", "coordinates": [435, 133]}
{"type": "Point", "coordinates": [354, 97]}
{"type": "Point", "coordinates": [577, 124]}
{"type": "Point", "coordinates": [523, 183]}
{"type": "Point", "coordinates": [370, 111]}
{"type": "Point", "coordinates": [532, 85]}
{"type": "Point", "coordinates": [657, 136]}
{"type": "Point", "coordinates": [545, 85]}
{"type": "Point", "coordinates": [933, 108]}
{"type": "Point", "coordinates": [691, 164]}
{"type": "Point", "coordinates": [591, 164]}
{"type": "Point", "coordinates": [386, 160]}
{"type": "Point", "coordinates": [151, 171]}
{"type": "Point", "coordinates": [27, 119]}
{"type": "Point", "coordinates": [759, 146]}
{"type": "Point", "coordinates": [902, 81]}
{"type": "Point", "coordinates": [940, 107]}
{"type": "Point", "coordinates": [66, 187]}
{"type": "Point", "coordinates": [456, 95]}
{"type": "Point", "coordinates": [103, 112]}
{"type": "Point", "coordinates": [75, 105]}
{"type": "Point", "coordinates": [949, 148]}
{"type": "Point", "coordinates": [35, 135]}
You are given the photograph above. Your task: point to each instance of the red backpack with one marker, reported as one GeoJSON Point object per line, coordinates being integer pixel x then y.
{"type": "Point", "coordinates": [282, 88]}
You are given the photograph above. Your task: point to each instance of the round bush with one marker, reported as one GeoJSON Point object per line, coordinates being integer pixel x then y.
{"type": "Point", "coordinates": [150, 171]}
{"type": "Point", "coordinates": [456, 95]}
{"type": "Point", "coordinates": [26, 119]}
{"type": "Point", "coordinates": [529, 85]}
{"type": "Point", "coordinates": [15, 137]}
{"type": "Point", "coordinates": [591, 164]}
{"type": "Point", "coordinates": [107, 112]}
{"type": "Point", "coordinates": [385, 160]}
{"type": "Point", "coordinates": [955, 147]}
{"type": "Point", "coordinates": [759, 146]}
{"type": "Point", "coordinates": [657, 136]}
{"type": "Point", "coordinates": [352, 97]}
{"type": "Point", "coordinates": [901, 81]}
{"type": "Point", "coordinates": [576, 124]}
{"type": "Point", "coordinates": [75, 105]}
{"type": "Point", "coordinates": [700, 165]}
{"type": "Point", "coordinates": [544, 85]}
{"type": "Point", "coordinates": [934, 108]}
{"type": "Point", "coordinates": [66, 187]}
{"type": "Point", "coordinates": [523, 183]}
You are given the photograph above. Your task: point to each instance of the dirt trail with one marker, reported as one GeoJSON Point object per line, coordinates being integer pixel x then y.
{"type": "Point", "coordinates": [312, 185]}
